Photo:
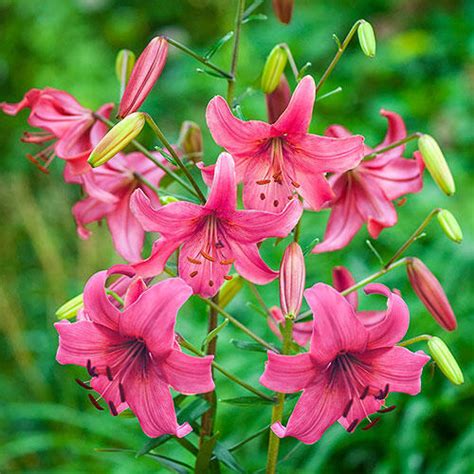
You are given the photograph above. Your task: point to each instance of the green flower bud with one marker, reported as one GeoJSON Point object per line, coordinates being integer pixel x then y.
{"type": "Point", "coordinates": [436, 163]}
{"type": "Point", "coordinates": [445, 360]}
{"type": "Point", "coordinates": [117, 138]}
{"type": "Point", "coordinates": [367, 39]}
{"type": "Point", "coordinates": [450, 226]}
{"type": "Point", "coordinates": [123, 66]}
{"type": "Point", "coordinates": [167, 199]}
{"type": "Point", "coordinates": [273, 69]}
{"type": "Point", "coordinates": [190, 140]}
{"type": "Point", "coordinates": [69, 309]}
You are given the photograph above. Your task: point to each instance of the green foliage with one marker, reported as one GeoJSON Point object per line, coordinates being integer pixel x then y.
{"type": "Point", "coordinates": [421, 71]}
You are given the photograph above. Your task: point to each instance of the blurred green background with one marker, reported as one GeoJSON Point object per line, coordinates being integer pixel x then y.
{"type": "Point", "coordinates": [422, 70]}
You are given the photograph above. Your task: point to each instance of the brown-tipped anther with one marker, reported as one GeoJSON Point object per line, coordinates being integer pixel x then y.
{"type": "Point", "coordinates": [122, 392]}
{"type": "Point", "coordinates": [83, 384]}
{"type": "Point", "coordinates": [229, 261]}
{"type": "Point", "coordinates": [95, 402]}
{"type": "Point", "coordinates": [113, 410]}
{"type": "Point", "coordinates": [219, 245]}
{"type": "Point", "coordinates": [365, 392]}
{"type": "Point", "coordinates": [91, 370]}
{"type": "Point", "coordinates": [193, 274]}
{"type": "Point", "coordinates": [295, 184]}
{"type": "Point", "coordinates": [401, 202]}
{"type": "Point", "coordinates": [290, 197]}
{"type": "Point", "coordinates": [211, 283]}
{"type": "Point", "coordinates": [386, 389]}
{"type": "Point", "coordinates": [348, 408]}
{"type": "Point", "coordinates": [371, 424]}
{"type": "Point", "coordinates": [352, 426]}
{"type": "Point", "coordinates": [388, 409]}
{"type": "Point", "coordinates": [37, 163]}
{"type": "Point", "coordinates": [262, 196]}
{"type": "Point", "coordinates": [207, 256]}
{"type": "Point", "coordinates": [228, 277]}
{"type": "Point", "coordinates": [263, 181]}
{"type": "Point", "coordinates": [275, 203]}
{"type": "Point", "coordinates": [193, 260]}
{"type": "Point", "coordinates": [108, 372]}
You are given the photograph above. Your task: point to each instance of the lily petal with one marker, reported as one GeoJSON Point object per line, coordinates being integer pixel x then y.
{"type": "Point", "coordinates": [341, 280]}
{"type": "Point", "coordinates": [223, 193]}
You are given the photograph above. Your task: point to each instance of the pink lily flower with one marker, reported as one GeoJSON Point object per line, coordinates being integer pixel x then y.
{"type": "Point", "coordinates": [276, 161]}
{"type": "Point", "coordinates": [350, 368]}
{"type": "Point", "coordinates": [109, 188]}
{"type": "Point", "coordinates": [132, 354]}
{"type": "Point", "coordinates": [66, 127]}
{"type": "Point", "coordinates": [213, 236]}
{"type": "Point", "coordinates": [365, 194]}
{"type": "Point", "coordinates": [301, 330]}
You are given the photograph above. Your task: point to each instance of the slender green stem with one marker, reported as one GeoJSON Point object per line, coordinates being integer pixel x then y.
{"type": "Point", "coordinates": [198, 57]}
{"type": "Point", "coordinates": [342, 47]}
{"type": "Point", "coordinates": [297, 231]}
{"type": "Point", "coordinates": [175, 156]}
{"type": "Point", "coordinates": [250, 438]}
{"type": "Point", "coordinates": [239, 325]}
{"type": "Point", "coordinates": [235, 51]}
{"type": "Point", "coordinates": [413, 340]}
{"type": "Point", "coordinates": [413, 236]}
{"type": "Point", "coordinates": [138, 146]}
{"type": "Point", "coordinates": [277, 411]}
{"type": "Point", "coordinates": [186, 444]}
{"type": "Point", "coordinates": [393, 145]}
{"type": "Point", "coordinates": [258, 297]}
{"type": "Point", "coordinates": [329, 94]}
{"type": "Point", "coordinates": [147, 183]}
{"type": "Point", "coordinates": [187, 345]}
{"type": "Point", "coordinates": [291, 60]}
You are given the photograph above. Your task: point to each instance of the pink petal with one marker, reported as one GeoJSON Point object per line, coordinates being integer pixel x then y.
{"type": "Point", "coordinates": [341, 280]}
{"type": "Point", "coordinates": [274, 321]}
{"type": "Point", "coordinates": [89, 210]}
{"type": "Point", "coordinates": [27, 102]}
{"type": "Point", "coordinates": [337, 131]}
{"type": "Point", "coordinates": [393, 325]}
{"type": "Point", "coordinates": [302, 332]}
{"type": "Point", "coordinates": [100, 129]}
{"type": "Point", "coordinates": [314, 189]}
{"type": "Point", "coordinates": [155, 263]}
{"type": "Point", "coordinates": [336, 327]}
{"type": "Point", "coordinates": [135, 289]}
{"type": "Point", "coordinates": [127, 233]}
{"type": "Point", "coordinates": [241, 139]}
{"type": "Point", "coordinates": [297, 116]}
{"type": "Point", "coordinates": [223, 193]}
{"type": "Point", "coordinates": [109, 390]}
{"type": "Point", "coordinates": [318, 408]}
{"type": "Point", "coordinates": [96, 303]}
{"type": "Point", "coordinates": [188, 374]}
{"type": "Point", "coordinates": [250, 265]}
{"type": "Point", "coordinates": [288, 374]}
{"type": "Point", "coordinates": [150, 399]}
{"type": "Point", "coordinates": [396, 131]}
{"type": "Point", "coordinates": [207, 172]}
{"type": "Point", "coordinates": [397, 366]}
{"type": "Point", "coordinates": [152, 316]}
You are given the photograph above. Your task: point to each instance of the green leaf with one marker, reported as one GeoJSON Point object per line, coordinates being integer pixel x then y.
{"type": "Point", "coordinates": [246, 401]}
{"type": "Point", "coordinates": [214, 333]}
{"type": "Point", "coordinates": [203, 458]}
{"type": "Point", "coordinates": [227, 458]}
{"type": "Point", "coordinates": [309, 247]}
{"type": "Point", "coordinates": [172, 465]}
{"type": "Point", "coordinates": [303, 70]}
{"type": "Point", "coordinates": [209, 72]}
{"type": "Point", "coordinates": [218, 45]}
{"type": "Point", "coordinates": [256, 17]}
{"type": "Point", "coordinates": [256, 308]}
{"type": "Point", "coordinates": [248, 346]}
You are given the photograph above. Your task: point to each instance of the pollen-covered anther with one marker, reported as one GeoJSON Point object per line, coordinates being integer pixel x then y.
{"type": "Point", "coordinates": [108, 372]}
{"type": "Point", "coordinates": [94, 402]}
{"type": "Point", "coordinates": [263, 181]}
{"type": "Point", "coordinates": [388, 409]}
{"type": "Point", "coordinates": [371, 424]}
{"type": "Point", "coordinates": [383, 393]}
{"type": "Point", "coordinates": [229, 261]}
{"type": "Point", "coordinates": [113, 410]}
{"type": "Point", "coordinates": [207, 256]}
{"type": "Point", "coordinates": [275, 203]}
{"type": "Point", "coordinates": [365, 392]}
{"type": "Point", "coordinates": [193, 260]}
{"type": "Point", "coordinates": [228, 277]}
{"type": "Point", "coordinates": [91, 370]}
{"type": "Point", "coordinates": [193, 274]}
{"type": "Point", "coordinates": [211, 283]}
{"type": "Point", "coordinates": [352, 426]}
{"type": "Point", "coordinates": [295, 184]}
{"type": "Point", "coordinates": [83, 384]}
{"type": "Point", "coordinates": [348, 408]}
{"type": "Point", "coordinates": [262, 196]}
{"type": "Point", "coordinates": [121, 392]}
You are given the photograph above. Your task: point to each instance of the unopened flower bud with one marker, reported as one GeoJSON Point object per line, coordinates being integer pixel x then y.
{"type": "Point", "coordinates": [431, 293]}
{"type": "Point", "coordinates": [144, 75]}
{"type": "Point", "coordinates": [124, 65]}
{"type": "Point", "coordinates": [190, 140]}
{"type": "Point", "coordinates": [436, 163]}
{"type": "Point", "coordinates": [117, 138]}
{"type": "Point", "coordinates": [164, 200]}
{"type": "Point", "coordinates": [283, 10]}
{"type": "Point", "coordinates": [292, 280]}
{"type": "Point", "coordinates": [450, 226]}
{"type": "Point", "coordinates": [69, 309]}
{"type": "Point", "coordinates": [445, 360]}
{"type": "Point", "coordinates": [273, 69]}
{"type": "Point", "coordinates": [278, 100]}
{"type": "Point", "coordinates": [367, 39]}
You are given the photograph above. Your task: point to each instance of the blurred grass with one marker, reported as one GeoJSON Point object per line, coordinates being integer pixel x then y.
{"type": "Point", "coordinates": [423, 70]}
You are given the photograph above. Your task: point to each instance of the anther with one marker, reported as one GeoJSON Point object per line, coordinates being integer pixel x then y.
{"type": "Point", "coordinates": [193, 260]}
{"type": "Point", "coordinates": [229, 261]}
{"type": "Point", "coordinates": [263, 181]}
{"type": "Point", "coordinates": [262, 196]}
{"type": "Point", "coordinates": [83, 384]}
{"type": "Point", "coordinates": [385, 393]}
{"type": "Point", "coordinates": [207, 256]}
{"type": "Point", "coordinates": [365, 392]}
{"type": "Point", "coordinates": [295, 184]}
{"type": "Point", "coordinates": [277, 175]}
{"type": "Point", "coordinates": [211, 283]}
{"type": "Point", "coordinates": [193, 274]}
{"type": "Point", "coordinates": [95, 402]}
{"type": "Point", "coordinates": [228, 277]}
{"type": "Point", "coordinates": [219, 245]}
{"type": "Point", "coordinates": [113, 410]}
{"type": "Point", "coordinates": [401, 201]}
{"type": "Point", "coordinates": [37, 164]}
{"type": "Point", "coordinates": [91, 370]}
{"type": "Point", "coordinates": [290, 197]}
{"type": "Point", "coordinates": [371, 424]}
{"type": "Point", "coordinates": [108, 372]}
{"type": "Point", "coordinates": [122, 392]}
{"type": "Point", "coordinates": [275, 203]}
{"type": "Point", "coordinates": [348, 407]}
{"type": "Point", "coordinates": [388, 409]}
{"type": "Point", "coordinates": [352, 426]}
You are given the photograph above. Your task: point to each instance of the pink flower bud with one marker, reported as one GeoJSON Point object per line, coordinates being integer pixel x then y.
{"type": "Point", "coordinates": [144, 75]}
{"type": "Point", "coordinates": [283, 10]}
{"type": "Point", "coordinates": [431, 293]}
{"type": "Point", "coordinates": [278, 100]}
{"type": "Point", "coordinates": [292, 279]}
